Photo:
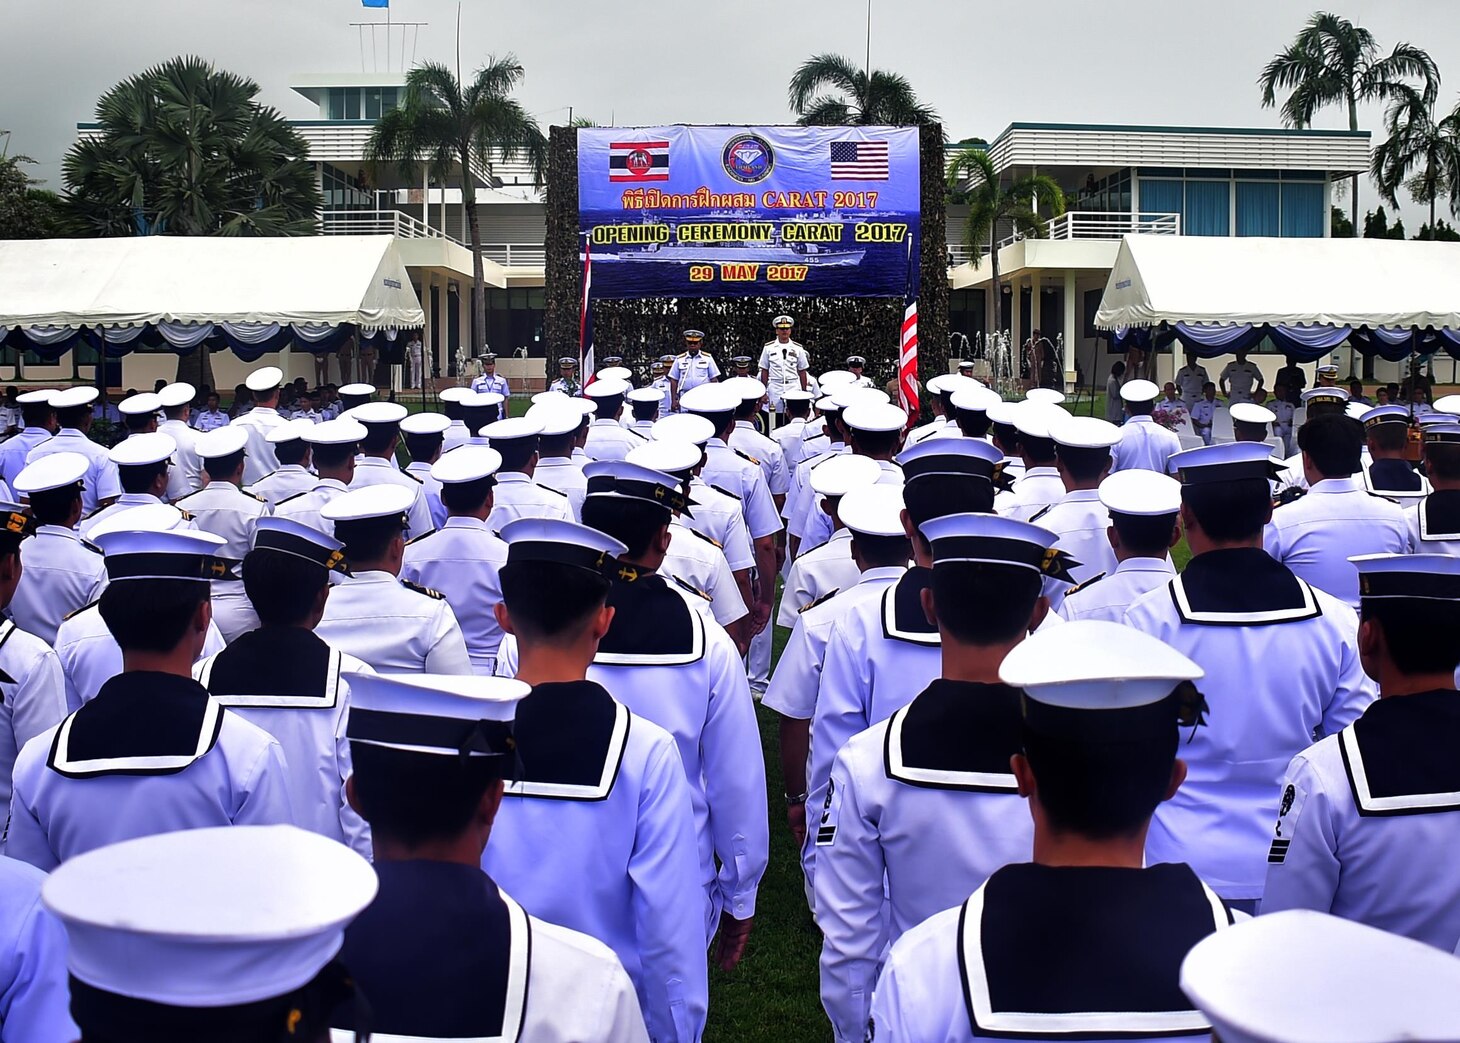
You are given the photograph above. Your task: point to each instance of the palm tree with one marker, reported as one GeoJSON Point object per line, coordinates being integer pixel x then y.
{"type": "Point", "coordinates": [1334, 62]}
{"type": "Point", "coordinates": [973, 180]}
{"type": "Point", "coordinates": [859, 98]}
{"type": "Point", "coordinates": [1421, 153]}
{"type": "Point", "coordinates": [450, 127]}
{"type": "Point", "coordinates": [185, 149]}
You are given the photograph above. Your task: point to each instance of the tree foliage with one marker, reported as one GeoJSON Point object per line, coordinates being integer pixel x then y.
{"type": "Point", "coordinates": [831, 90]}
{"type": "Point", "coordinates": [1377, 226]}
{"type": "Point", "coordinates": [1420, 154]}
{"type": "Point", "coordinates": [26, 212]}
{"type": "Point", "coordinates": [185, 149]}
{"type": "Point", "coordinates": [455, 129]}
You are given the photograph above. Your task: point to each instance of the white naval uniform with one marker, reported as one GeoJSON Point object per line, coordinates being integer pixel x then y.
{"type": "Point", "coordinates": [783, 365]}
{"type": "Point", "coordinates": [59, 574]}
{"type": "Point", "coordinates": [1018, 956]}
{"type": "Point", "coordinates": [35, 997]}
{"type": "Point", "coordinates": [609, 440]}
{"type": "Point", "coordinates": [372, 470]}
{"type": "Point", "coordinates": [718, 516]}
{"type": "Point", "coordinates": [1107, 597]}
{"type": "Point", "coordinates": [1240, 378]}
{"type": "Point", "coordinates": [667, 664]}
{"type": "Point", "coordinates": [804, 502]}
{"type": "Point", "coordinates": [1395, 480]}
{"type": "Point", "coordinates": [90, 656]}
{"type": "Point", "coordinates": [737, 474]}
{"type": "Point", "coordinates": [1033, 491]}
{"type": "Point", "coordinates": [456, 435]}
{"type": "Point", "coordinates": [1283, 425]}
{"type": "Point", "coordinates": [1144, 444]}
{"type": "Point", "coordinates": [259, 458]}
{"type": "Point", "coordinates": [1080, 521]}
{"type": "Point", "coordinates": [1315, 535]}
{"type": "Point", "coordinates": [1189, 381]}
{"type": "Point", "coordinates": [394, 626]}
{"type": "Point", "coordinates": [101, 480]}
{"type": "Point", "coordinates": [691, 371]}
{"type": "Point", "coordinates": [788, 437]}
{"type": "Point", "coordinates": [125, 502]}
{"type": "Point", "coordinates": [436, 926]}
{"type": "Point", "coordinates": [305, 508]}
{"type": "Point", "coordinates": [32, 697]}
{"type": "Point", "coordinates": [1203, 415]}
{"type": "Point", "coordinates": [225, 510]}
{"type": "Point", "coordinates": [289, 480]}
{"type": "Point", "coordinates": [1282, 667]}
{"type": "Point", "coordinates": [152, 753]}
{"type": "Point", "coordinates": [567, 386]}
{"type": "Point", "coordinates": [295, 687]}
{"type": "Point", "coordinates": [14, 451]}
{"type": "Point", "coordinates": [186, 474]}
{"type": "Point", "coordinates": [598, 835]}
{"type": "Point", "coordinates": [927, 802]}
{"type": "Point", "coordinates": [462, 560]}
{"type": "Point", "coordinates": [517, 496]}
{"type": "Point", "coordinates": [816, 523]}
{"type": "Point", "coordinates": [421, 472]}
{"type": "Point", "coordinates": [817, 574]}
{"type": "Point", "coordinates": [879, 655]}
{"type": "Point", "coordinates": [1369, 822]}
{"type": "Point", "coordinates": [764, 451]}
{"type": "Point", "coordinates": [206, 420]}
{"type": "Point", "coordinates": [495, 383]}
{"type": "Point", "coordinates": [939, 425]}
{"type": "Point", "coordinates": [697, 561]}
{"type": "Point", "coordinates": [1434, 524]}
{"type": "Point", "coordinates": [563, 474]}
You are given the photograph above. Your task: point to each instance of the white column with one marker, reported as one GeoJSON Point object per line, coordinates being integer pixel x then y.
{"type": "Point", "coordinates": [1016, 325]}
{"type": "Point", "coordinates": [1071, 330]}
{"type": "Point", "coordinates": [428, 331]}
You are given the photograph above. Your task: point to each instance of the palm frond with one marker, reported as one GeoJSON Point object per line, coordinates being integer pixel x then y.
{"type": "Point", "coordinates": [824, 70]}
{"type": "Point", "coordinates": [826, 111]}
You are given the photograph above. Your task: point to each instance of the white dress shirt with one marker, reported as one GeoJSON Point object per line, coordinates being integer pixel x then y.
{"type": "Point", "coordinates": [1317, 534]}
{"type": "Point", "coordinates": [518, 496]}
{"type": "Point", "coordinates": [374, 616]}
{"type": "Point", "coordinates": [372, 470]}
{"type": "Point", "coordinates": [101, 481]}
{"type": "Point", "coordinates": [1144, 443]}
{"type": "Point", "coordinates": [59, 574]}
{"type": "Point", "coordinates": [462, 560]}
{"type": "Point", "coordinates": [259, 458]}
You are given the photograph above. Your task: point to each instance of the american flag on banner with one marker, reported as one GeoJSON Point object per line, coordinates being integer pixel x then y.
{"type": "Point", "coordinates": [859, 161]}
{"type": "Point", "coordinates": [585, 319]}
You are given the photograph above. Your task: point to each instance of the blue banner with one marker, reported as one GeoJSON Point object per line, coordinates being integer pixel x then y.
{"type": "Point", "coordinates": [740, 211]}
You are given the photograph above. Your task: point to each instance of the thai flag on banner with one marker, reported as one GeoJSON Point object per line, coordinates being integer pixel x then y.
{"type": "Point", "coordinates": [638, 161]}
{"type": "Point", "coordinates": [585, 318]}
{"type": "Point", "coordinates": [907, 358]}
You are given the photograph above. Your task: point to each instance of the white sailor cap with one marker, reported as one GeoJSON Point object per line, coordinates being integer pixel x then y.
{"type": "Point", "coordinates": [607, 388]}
{"type": "Point", "coordinates": [1394, 414]}
{"type": "Point", "coordinates": [1074, 676]}
{"type": "Point", "coordinates": [1444, 430]}
{"type": "Point", "coordinates": [1034, 419]}
{"type": "Point", "coordinates": [1329, 370]}
{"type": "Point", "coordinates": [561, 542]}
{"type": "Point", "coordinates": [710, 398]}
{"type": "Point", "coordinates": [136, 405]}
{"type": "Point", "coordinates": [289, 431]}
{"type": "Point", "coordinates": [1083, 432]}
{"type": "Point", "coordinates": [177, 394]}
{"type": "Point", "coordinates": [1443, 404]}
{"type": "Point", "coordinates": [835, 378]}
{"type": "Point", "coordinates": [952, 383]}
{"type": "Point", "coordinates": [972, 456]}
{"type": "Point", "coordinates": [451, 715]}
{"type": "Point", "coordinates": [56, 471]}
{"type": "Point", "coordinates": [265, 378]}
{"type": "Point", "coordinates": [549, 396]}
{"type": "Point", "coordinates": [683, 427]}
{"type": "Point", "coordinates": [872, 510]}
{"type": "Point", "coordinates": [1427, 578]}
{"type": "Point", "coordinates": [1433, 419]}
{"type": "Point", "coordinates": [1332, 394]}
{"type": "Point", "coordinates": [874, 417]}
{"type": "Point", "coordinates": [454, 394]}
{"type": "Point", "coordinates": [36, 397]}
{"type": "Point", "coordinates": [1300, 976]}
{"type": "Point", "coordinates": [1355, 410]}
{"type": "Point", "coordinates": [975, 400]}
{"type": "Point", "coordinates": [559, 418]}
{"type": "Point", "coordinates": [215, 917]}
{"type": "Point", "coordinates": [379, 413]}
{"type": "Point", "coordinates": [221, 442]}
{"type": "Point", "coordinates": [149, 517]}
{"type": "Point", "coordinates": [339, 431]}
{"type": "Point", "coordinates": [1053, 397]}
{"type": "Point", "coordinates": [286, 536]}
{"type": "Point", "coordinates": [73, 397]}
{"type": "Point", "coordinates": [1003, 412]}
{"type": "Point", "coordinates": [849, 395]}
{"type": "Point", "coordinates": [646, 394]}
{"type": "Point", "coordinates": [1139, 391]}
{"type": "Point", "coordinates": [624, 480]}
{"type": "Point", "coordinates": [357, 390]}
{"type": "Point", "coordinates": [670, 455]}
{"type": "Point", "coordinates": [141, 450]}
{"type": "Point", "coordinates": [467, 463]}
{"type": "Point", "coordinates": [797, 395]}
{"type": "Point", "coordinates": [487, 399]}
{"type": "Point", "coordinates": [990, 539]}
{"type": "Point", "coordinates": [783, 322]}
{"type": "Point", "coordinates": [749, 389]}
{"type": "Point", "coordinates": [425, 424]}
{"type": "Point", "coordinates": [1141, 493]}
{"type": "Point", "coordinates": [512, 429]}
{"type": "Point", "coordinates": [612, 373]}
{"type": "Point", "coordinates": [827, 404]}
{"type": "Point", "coordinates": [1225, 462]}
{"type": "Point", "coordinates": [369, 503]}
{"type": "Point", "coordinates": [838, 475]}
{"type": "Point", "coordinates": [568, 360]}
{"type": "Point", "coordinates": [1251, 413]}
{"type": "Point", "coordinates": [132, 554]}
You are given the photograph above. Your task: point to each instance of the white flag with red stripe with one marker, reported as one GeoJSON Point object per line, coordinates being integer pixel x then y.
{"type": "Point", "coordinates": [585, 319]}
{"type": "Point", "coordinates": [907, 362]}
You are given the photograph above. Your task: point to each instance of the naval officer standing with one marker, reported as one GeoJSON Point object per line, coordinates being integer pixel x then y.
{"type": "Point", "coordinates": [1434, 522]}
{"type": "Point", "coordinates": [1082, 446]}
{"type": "Point", "coordinates": [333, 444]}
{"type": "Point", "coordinates": [1144, 509]}
{"type": "Point", "coordinates": [60, 571]}
{"type": "Point", "coordinates": [376, 464]}
{"type": "Point", "coordinates": [258, 421]}
{"type": "Point", "coordinates": [516, 495]}
{"type": "Point", "coordinates": [1143, 442]}
{"type": "Point", "coordinates": [73, 414]}
{"type": "Point", "coordinates": [292, 451]}
{"type": "Point", "coordinates": [690, 369]}
{"type": "Point", "coordinates": [783, 365]}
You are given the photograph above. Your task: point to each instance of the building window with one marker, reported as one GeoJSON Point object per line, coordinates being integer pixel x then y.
{"type": "Point", "coordinates": [1258, 209]}
{"type": "Point", "coordinates": [1208, 208]}
{"type": "Point", "coordinates": [1303, 215]}
{"type": "Point", "coordinates": [343, 192]}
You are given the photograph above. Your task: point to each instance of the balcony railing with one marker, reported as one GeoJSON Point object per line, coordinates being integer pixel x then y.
{"type": "Point", "coordinates": [379, 222]}
{"type": "Point", "coordinates": [516, 255]}
{"type": "Point", "coordinates": [1101, 224]}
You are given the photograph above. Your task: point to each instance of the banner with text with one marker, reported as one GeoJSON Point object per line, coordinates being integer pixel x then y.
{"type": "Point", "coordinates": [731, 211]}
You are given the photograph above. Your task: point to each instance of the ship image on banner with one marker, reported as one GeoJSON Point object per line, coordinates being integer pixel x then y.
{"type": "Point", "coordinates": [819, 211]}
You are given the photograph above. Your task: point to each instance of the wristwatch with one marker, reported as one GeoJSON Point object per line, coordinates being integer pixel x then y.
{"type": "Point", "coordinates": [792, 801]}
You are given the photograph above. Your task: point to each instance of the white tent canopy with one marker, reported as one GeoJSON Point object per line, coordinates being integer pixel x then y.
{"type": "Point", "coordinates": [126, 282]}
{"type": "Point", "coordinates": [1378, 283]}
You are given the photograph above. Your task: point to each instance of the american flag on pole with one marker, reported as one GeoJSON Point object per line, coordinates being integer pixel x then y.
{"type": "Point", "coordinates": [907, 358]}
{"type": "Point", "coordinates": [859, 161]}
{"type": "Point", "coordinates": [585, 319]}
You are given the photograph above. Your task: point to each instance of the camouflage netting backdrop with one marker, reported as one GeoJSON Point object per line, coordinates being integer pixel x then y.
{"type": "Point", "coordinates": [831, 328]}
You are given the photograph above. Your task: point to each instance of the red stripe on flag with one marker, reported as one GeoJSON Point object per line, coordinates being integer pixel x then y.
{"type": "Point", "coordinates": [907, 363]}
{"type": "Point", "coordinates": [583, 310]}
{"type": "Point", "coordinates": [630, 145]}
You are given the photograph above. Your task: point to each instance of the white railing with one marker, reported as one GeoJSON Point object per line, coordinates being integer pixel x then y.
{"type": "Point", "coordinates": [516, 255]}
{"type": "Point", "coordinates": [1100, 224]}
{"type": "Point", "coordinates": [378, 222]}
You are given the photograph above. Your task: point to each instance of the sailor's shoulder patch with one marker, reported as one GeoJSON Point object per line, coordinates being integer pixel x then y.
{"type": "Point", "coordinates": [1088, 583]}
{"type": "Point", "coordinates": [689, 587]}
{"type": "Point", "coordinates": [821, 600]}
{"type": "Point", "coordinates": [423, 590]}
{"type": "Point", "coordinates": [424, 536]}
{"type": "Point", "coordinates": [76, 612]}
{"type": "Point", "coordinates": [90, 546]}
{"type": "Point", "coordinates": [744, 455]}
{"type": "Point", "coordinates": [550, 489]}
{"type": "Point", "coordinates": [708, 539]}
{"type": "Point", "coordinates": [1034, 518]}
{"type": "Point", "coordinates": [294, 496]}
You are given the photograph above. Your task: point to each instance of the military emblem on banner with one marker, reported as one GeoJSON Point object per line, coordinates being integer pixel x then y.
{"type": "Point", "coordinates": [638, 161]}
{"type": "Point", "coordinates": [748, 158]}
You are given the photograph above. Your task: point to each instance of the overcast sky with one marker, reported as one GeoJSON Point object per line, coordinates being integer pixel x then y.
{"type": "Point", "coordinates": [982, 65]}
